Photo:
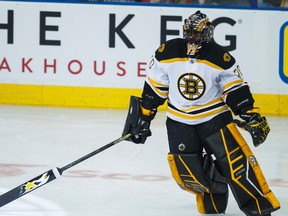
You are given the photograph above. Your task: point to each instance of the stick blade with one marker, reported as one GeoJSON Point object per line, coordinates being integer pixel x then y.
{"type": "Point", "coordinates": [29, 186]}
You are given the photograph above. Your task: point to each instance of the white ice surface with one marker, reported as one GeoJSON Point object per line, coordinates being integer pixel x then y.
{"type": "Point", "coordinates": [124, 180]}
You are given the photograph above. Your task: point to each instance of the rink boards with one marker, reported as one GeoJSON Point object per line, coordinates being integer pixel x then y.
{"type": "Point", "coordinates": [96, 55]}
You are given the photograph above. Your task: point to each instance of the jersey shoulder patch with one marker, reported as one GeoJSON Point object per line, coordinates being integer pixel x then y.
{"type": "Point", "coordinates": [216, 55]}
{"type": "Point", "coordinates": [175, 48]}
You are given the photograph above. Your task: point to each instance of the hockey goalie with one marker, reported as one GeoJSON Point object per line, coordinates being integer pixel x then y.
{"type": "Point", "coordinates": [205, 89]}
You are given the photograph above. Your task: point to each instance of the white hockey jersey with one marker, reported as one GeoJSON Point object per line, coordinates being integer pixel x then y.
{"type": "Point", "coordinates": [196, 89]}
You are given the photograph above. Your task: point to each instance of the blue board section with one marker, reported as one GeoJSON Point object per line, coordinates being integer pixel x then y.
{"type": "Point", "coordinates": [283, 54]}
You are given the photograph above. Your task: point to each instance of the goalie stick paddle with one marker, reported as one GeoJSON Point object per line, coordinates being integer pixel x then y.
{"type": "Point", "coordinates": [50, 175]}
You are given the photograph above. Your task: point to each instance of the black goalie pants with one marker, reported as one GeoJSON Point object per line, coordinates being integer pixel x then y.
{"type": "Point", "coordinates": [233, 160]}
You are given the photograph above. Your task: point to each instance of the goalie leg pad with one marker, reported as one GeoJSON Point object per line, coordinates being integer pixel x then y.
{"type": "Point", "coordinates": [187, 170]}
{"type": "Point", "coordinates": [209, 203]}
{"type": "Point", "coordinates": [238, 163]}
{"type": "Point", "coordinates": [198, 175]}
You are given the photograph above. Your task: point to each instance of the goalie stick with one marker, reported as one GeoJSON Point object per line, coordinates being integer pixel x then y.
{"type": "Point", "coordinates": [50, 175]}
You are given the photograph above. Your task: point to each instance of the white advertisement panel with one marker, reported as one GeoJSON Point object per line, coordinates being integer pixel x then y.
{"type": "Point", "coordinates": [110, 46]}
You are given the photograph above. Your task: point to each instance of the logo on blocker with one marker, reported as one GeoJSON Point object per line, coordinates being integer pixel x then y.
{"type": "Point", "coordinates": [191, 86]}
{"type": "Point", "coordinates": [283, 55]}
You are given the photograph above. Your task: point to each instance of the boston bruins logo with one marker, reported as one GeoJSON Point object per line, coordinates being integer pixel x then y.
{"type": "Point", "coordinates": [191, 86]}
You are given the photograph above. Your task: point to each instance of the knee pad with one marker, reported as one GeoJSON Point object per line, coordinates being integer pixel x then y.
{"type": "Point", "coordinates": [238, 163]}
{"type": "Point", "coordinates": [197, 174]}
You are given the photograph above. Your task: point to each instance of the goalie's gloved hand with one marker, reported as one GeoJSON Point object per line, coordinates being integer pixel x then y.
{"type": "Point", "coordinates": [138, 121]}
{"type": "Point", "coordinates": [255, 124]}
{"type": "Point", "coordinates": [142, 130]}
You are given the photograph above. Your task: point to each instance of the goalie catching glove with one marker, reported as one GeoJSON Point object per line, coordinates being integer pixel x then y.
{"type": "Point", "coordinates": [138, 121]}
{"type": "Point", "coordinates": [255, 124]}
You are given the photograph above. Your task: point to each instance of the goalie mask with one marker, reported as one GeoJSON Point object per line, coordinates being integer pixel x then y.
{"type": "Point", "coordinates": [197, 30]}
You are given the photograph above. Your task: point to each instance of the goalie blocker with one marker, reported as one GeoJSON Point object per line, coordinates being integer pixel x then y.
{"type": "Point", "coordinates": [138, 121]}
